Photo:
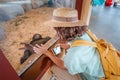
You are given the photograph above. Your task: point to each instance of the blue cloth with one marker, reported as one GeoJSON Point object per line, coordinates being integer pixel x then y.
{"type": "Point", "coordinates": [86, 76]}
{"type": "Point", "coordinates": [98, 2]}
{"type": "Point", "coordinates": [83, 59]}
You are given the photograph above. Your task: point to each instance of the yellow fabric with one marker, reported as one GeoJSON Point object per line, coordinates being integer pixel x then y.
{"type": "Point", "coordinates": [83, 43]}
{"type": "Point", "coordinates": [109, 56]}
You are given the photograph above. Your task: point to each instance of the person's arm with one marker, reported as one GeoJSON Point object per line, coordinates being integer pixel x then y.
{"type": "Point", "coordinates": [63, 45]}
{"type": "Point", "coordinates": [42, 50]}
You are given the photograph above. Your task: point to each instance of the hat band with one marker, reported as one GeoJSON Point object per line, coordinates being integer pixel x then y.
{"type": "Point", "coordinates": [65, 19]}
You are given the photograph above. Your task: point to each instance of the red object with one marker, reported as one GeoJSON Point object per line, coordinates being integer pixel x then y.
{"type": "Point", "coordinates": [78, 6]}
{"type": "Point", "coordinates": [108, 2]}
{"type": "Point", "coordinates": [6, 70]}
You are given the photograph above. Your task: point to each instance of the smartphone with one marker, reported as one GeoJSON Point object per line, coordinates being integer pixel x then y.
{"type": "Point", "coordinates": [56, 50]}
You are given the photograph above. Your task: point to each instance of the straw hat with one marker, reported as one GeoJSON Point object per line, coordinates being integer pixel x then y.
{"type": "Point", "coordinates": [64, 17]}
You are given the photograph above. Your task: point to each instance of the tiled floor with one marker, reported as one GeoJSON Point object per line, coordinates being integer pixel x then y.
{"type": "Point", "coordinates": [105, 23]}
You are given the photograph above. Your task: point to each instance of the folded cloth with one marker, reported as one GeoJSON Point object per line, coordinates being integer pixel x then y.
{"type": "Point", "coordinates": [83, 59]}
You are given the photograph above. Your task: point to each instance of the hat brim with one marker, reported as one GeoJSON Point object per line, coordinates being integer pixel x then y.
{"type": "Point", "coordinates": [64, 24]}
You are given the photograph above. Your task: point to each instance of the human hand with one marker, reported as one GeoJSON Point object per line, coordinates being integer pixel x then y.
{"type": "Point", "coordinates": [40, 49]}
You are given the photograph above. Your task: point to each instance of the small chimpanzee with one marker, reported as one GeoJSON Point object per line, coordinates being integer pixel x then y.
{"type": "Point", "coordinates": [36, 39]}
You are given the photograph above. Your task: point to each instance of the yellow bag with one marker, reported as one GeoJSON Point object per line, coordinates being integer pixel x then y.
{"type": "Point", "coordinates": [110, 57]}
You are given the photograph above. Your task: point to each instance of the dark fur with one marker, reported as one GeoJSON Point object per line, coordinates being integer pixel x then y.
{"type": "Point", "coordinates": [36, 39]}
